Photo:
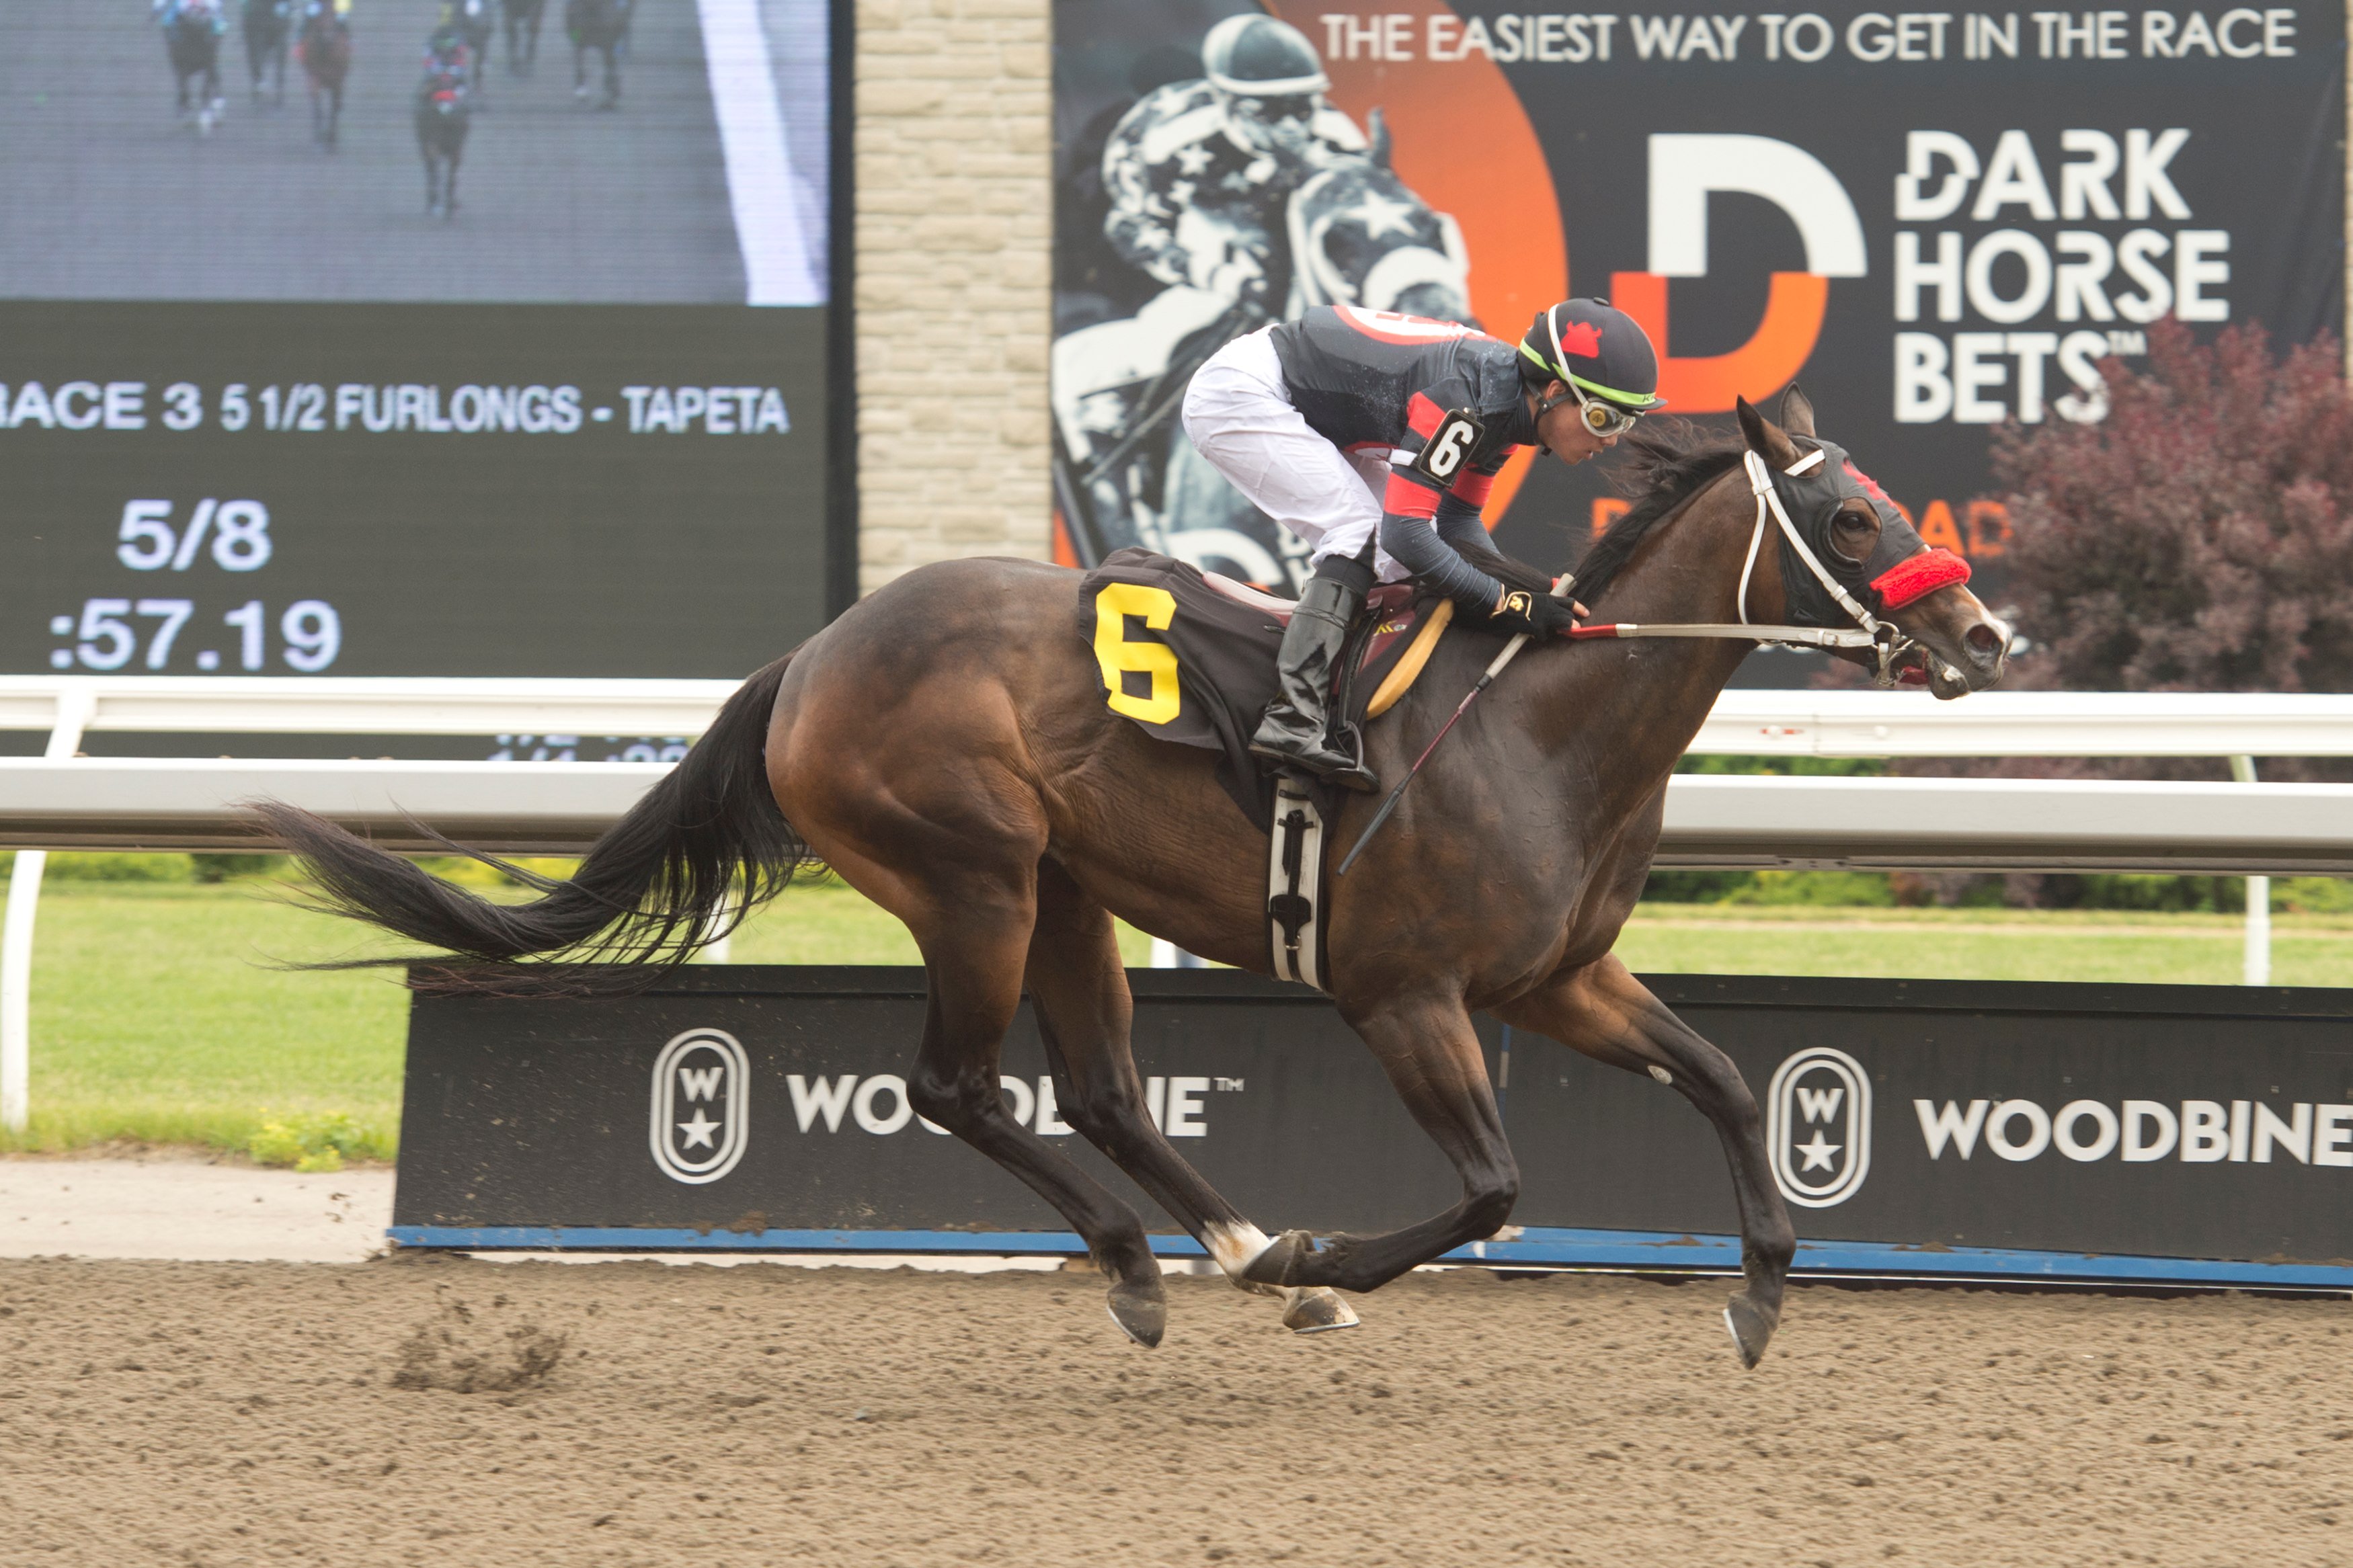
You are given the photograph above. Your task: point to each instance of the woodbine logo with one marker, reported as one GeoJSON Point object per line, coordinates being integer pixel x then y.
{"type": "Point", "coordinates": [877, 1103]}
{"type": "Point", "coordinates": [701, 1106]}
{"type": "Point", "coordinates": [2138, 1132]}
{"type": "Point", "coordinates": [1818, 1096]}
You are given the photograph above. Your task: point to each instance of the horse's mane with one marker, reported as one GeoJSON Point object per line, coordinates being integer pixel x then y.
{"type": "Point", "coordinates": [1664, 464]}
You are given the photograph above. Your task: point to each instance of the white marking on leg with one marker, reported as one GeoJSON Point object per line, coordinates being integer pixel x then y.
{"type": "Point", "coordinates": [1235, 1247]}
{"type": "Point", "coordinates": [1661, 1074]}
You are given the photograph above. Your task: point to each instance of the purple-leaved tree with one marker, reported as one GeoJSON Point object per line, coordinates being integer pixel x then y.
{"type": "Point", "coordinates": [2197, 539]}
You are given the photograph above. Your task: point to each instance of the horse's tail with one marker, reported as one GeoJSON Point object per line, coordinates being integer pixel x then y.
{"type": "Point", "coordinates": [700, 850]}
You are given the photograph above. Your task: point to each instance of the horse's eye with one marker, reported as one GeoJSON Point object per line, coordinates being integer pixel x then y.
{"type": "Point", "coordinates": [1851, 534]}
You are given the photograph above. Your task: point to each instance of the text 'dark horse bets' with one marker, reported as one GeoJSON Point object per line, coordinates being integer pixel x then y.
{"type": "Point", "coordinates": [946, 746]}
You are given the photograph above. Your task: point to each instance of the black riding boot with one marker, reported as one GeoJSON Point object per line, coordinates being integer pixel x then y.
{"type": "Point", "coordinates": [1293, 730]}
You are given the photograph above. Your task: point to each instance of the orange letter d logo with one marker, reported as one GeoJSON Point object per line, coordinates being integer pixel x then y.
{"type": "Point", "coordinates": [1684, 171]}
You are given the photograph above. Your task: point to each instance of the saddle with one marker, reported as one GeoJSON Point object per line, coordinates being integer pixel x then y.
{"type": "Point", "coordinates": [1189, 658]}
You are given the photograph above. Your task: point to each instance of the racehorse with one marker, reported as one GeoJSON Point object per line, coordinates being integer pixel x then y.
{"type": "Point", "coordinates": [522, 20]}
{"type": "Point", "coordinates": [477, 22]}
{"type": "Point", "coordinates": [192, 34]}
{"type": "Point", "coordinates": [266, 25]}
{"type": "Point", "coordinates": [444, 113]}
{"type": "Point", "coordinates": [324, 48]}
{"type": "Point", "coordinates": [598, 24]}
{"type": "Point", "coordinates": [946, 747]}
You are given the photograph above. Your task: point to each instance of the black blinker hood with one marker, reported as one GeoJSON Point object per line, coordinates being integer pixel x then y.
{"type": "Point", "coordinates": [1810, 499]}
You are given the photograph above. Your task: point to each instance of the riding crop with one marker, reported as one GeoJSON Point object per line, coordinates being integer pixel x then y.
{"type": "Point", "coordinates": [1511, 651]}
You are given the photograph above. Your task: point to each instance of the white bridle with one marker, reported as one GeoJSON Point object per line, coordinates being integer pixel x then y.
{"type": "Point", "coordinates": [1869, 630]}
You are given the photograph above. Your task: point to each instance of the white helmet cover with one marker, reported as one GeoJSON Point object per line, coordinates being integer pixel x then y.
{"type": "Point", "coordinates": [1256, 55]}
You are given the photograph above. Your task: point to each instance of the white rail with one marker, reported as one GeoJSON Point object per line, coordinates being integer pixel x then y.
{"type": "Point", "coordinates": [291, 705]}
{"type": "Point", "coordinates": [61, 800]}
{"type": "Point", "coordinates": [1711, 820]}
{"type": "Point", "coordinates": [1750, 723]}
{"type": "Point", "coordinates": [2029, 724]}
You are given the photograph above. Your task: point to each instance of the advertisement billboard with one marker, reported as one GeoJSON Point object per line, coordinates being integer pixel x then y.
{"type": "Point", "coordinates": [1939, 221]}
{"type": "Point", "coordinates": [398, 337]}
{"type": "Point", "coordinates": [1955, 1126]}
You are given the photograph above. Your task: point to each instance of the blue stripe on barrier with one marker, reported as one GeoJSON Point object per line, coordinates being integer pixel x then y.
{"type": "Point", "coordinates": [1655, 1250]}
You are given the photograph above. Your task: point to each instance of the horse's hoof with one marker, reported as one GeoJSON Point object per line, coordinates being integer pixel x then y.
{"type": "Point", "coordinates": [1141, 1311]}
{"type": "Point", "coordinates": [1316, 1311]}
{"type": "Point", "coordinates": [1752, 1330]}
{"type": "Point", "coordinates": [1281, 1260]}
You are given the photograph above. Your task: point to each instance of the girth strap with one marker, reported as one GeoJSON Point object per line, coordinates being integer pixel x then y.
{"type": "Point", "coordinates": [1295, 884]}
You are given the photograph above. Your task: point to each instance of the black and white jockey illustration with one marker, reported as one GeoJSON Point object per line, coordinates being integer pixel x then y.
{"type": "Point", "coordinates": [1231, 193]}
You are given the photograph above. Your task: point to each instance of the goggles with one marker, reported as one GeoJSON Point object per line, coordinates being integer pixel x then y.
{"type": "Point", "coordinates": [1601, 419]}
{"type": "Point", "coordinates": [1270, 108]}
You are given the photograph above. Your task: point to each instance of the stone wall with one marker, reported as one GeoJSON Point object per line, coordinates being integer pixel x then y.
{"type": "Point", "coordinates": [954, 224]}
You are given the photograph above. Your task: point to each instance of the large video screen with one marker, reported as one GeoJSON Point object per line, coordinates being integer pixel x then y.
{"type": "Point", "coordinates": [418, 337]}
{"type": "Point", "coordinates": [1940, 221]}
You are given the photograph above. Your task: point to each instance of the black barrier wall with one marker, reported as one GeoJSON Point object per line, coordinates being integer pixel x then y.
{"type": "Point", "coordinates": [2189, 1121]}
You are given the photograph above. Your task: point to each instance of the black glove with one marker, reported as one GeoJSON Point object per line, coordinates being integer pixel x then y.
{"type": "Point", "coordinates": [1537, 615]}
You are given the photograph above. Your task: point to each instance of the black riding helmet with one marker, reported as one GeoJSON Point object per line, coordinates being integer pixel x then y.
{"type": "Point", "coordinates": [1602, 353]}
{"type": "Point", "coordinates": [1258, 57]}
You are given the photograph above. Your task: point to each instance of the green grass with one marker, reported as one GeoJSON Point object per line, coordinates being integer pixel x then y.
{"type": "Point", "coordinates": [157, 1019]}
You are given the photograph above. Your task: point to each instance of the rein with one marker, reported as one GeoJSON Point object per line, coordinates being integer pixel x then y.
{"type": "Point", "coordinates": [1869, 630]}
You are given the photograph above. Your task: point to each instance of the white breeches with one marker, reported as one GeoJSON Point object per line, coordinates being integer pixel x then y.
{"type": "Point", "coordinates": [1239, 414]}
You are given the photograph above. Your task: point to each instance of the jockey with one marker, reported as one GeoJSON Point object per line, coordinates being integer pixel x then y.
{"type": "Point", "coordinates": [169, 12]}
{"type": "Point", "coordinates": [1197, 171]}
{"type": "Point", "coordinates": [1375, 437]}
{"type": "Point", "coordinates": [448, 55]}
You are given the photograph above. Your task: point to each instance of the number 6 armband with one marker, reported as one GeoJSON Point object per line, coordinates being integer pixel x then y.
{"type": "Point", "coordinates": [1444, 457]}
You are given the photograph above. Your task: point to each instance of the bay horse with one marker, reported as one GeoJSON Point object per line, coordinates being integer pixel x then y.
{"type": "Point", "coordinates": [324, 48]}
{"type": "Point", "coordinates": [267, 25]}
{"type": "Point", "coordinates": [598, 24]}
{"type": "Point", "coordinates": [443, 115]}
{"type": "Point", "coordinates": [523, 18]}
{"type": "Point", "coordinates": [945, 746]}
{"type": "Point", "coordinates": [192, 34]}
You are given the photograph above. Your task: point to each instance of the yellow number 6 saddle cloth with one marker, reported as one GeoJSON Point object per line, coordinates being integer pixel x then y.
{"type": "Point", "coordinates": [1189, 658]}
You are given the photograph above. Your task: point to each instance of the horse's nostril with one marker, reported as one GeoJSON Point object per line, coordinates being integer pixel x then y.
{"type": "Point", "coordinates": [1987, 641]}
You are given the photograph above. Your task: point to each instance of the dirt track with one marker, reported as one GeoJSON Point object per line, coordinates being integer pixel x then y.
{"type": "Point", "coordinates": [219, 1413]}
